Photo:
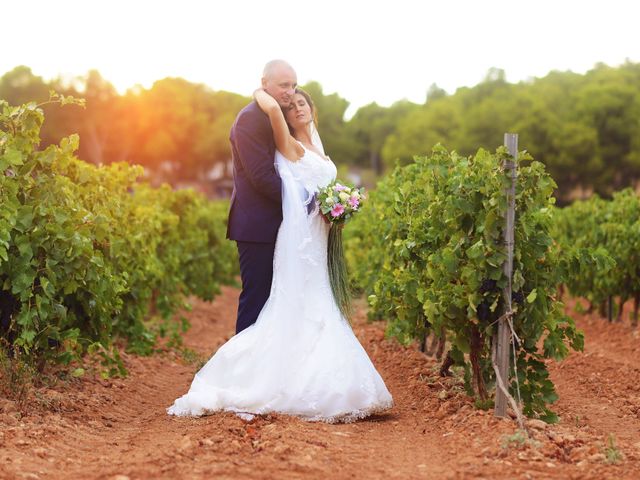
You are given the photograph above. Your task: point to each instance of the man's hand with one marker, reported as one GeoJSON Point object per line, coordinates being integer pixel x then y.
{"type": "Point", "coordinates": [312, 204]}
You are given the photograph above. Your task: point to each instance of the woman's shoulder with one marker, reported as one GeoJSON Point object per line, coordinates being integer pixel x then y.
{"type": "Point", "coordinates": [293, 161]}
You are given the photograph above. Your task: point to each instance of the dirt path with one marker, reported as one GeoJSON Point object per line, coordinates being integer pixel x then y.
{"type": "Point", "coordinates": [118, 429]}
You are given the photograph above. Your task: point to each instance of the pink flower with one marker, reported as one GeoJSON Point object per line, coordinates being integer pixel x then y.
{"type": "Point", "coordinates": [354, 202]}
{"type": "Point", "coordinates": [339, 187]}
{"type": "Point", "coordinates": [337, 210]}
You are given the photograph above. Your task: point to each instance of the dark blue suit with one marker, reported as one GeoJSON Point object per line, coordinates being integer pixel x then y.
{"type": "Point", "coordinates": [255, 213]}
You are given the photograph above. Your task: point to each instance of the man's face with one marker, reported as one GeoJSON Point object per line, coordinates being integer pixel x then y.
{"type": "Point", "coordinates": [281, 84]}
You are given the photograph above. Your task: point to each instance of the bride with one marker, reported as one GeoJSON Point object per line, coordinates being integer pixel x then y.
{"type": "Point", "coordinates": [300, 357]}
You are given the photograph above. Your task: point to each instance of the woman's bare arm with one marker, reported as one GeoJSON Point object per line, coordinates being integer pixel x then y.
{"type": "Point", "coordinates": [284, 141]}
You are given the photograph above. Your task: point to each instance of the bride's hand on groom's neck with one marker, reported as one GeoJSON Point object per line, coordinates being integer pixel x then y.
{"type": "Point", "coordinates": [265, 101]}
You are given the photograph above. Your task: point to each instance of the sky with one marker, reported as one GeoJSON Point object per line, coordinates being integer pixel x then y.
{"type": "Point", "coordinates": [366, 51]}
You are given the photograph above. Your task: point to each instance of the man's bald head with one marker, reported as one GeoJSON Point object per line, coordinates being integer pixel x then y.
{"type": "Point", "coordinates": [279, 80]}
{"type": "Point", "coordinates": [274, 66]}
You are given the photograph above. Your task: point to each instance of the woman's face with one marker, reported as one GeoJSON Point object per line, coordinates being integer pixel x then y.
{"type": "Point", "coordinates": [299, 113]}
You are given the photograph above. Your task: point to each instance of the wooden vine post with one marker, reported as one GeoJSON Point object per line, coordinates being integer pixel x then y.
{"type": "Point", "coordinates": [503, 337]}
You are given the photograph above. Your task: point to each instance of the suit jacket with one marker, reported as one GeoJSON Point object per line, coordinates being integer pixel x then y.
{"type": "Point", "coordinates": [255, 212]}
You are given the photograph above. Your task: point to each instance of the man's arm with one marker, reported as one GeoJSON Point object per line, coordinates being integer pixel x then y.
{"type": "Point", "coordinates": [252, 136]}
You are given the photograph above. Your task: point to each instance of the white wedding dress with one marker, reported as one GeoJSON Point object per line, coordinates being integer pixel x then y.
{"type": "Point", "coordinates": [300, 357]}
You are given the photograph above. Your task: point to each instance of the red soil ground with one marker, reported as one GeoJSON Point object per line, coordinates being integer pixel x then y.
{"type": "Point", "coordinates": [118, 429]}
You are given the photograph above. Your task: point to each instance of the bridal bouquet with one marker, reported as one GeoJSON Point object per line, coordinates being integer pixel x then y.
{"type": "Point", "coordinates": [338, 203]}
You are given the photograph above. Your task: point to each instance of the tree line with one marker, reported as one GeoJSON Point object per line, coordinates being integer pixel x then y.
{"type": "Point", "coordinates": [584, 127]}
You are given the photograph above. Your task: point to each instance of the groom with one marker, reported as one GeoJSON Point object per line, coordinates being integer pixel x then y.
{"type": "Point", "coordinates": [255, 213]}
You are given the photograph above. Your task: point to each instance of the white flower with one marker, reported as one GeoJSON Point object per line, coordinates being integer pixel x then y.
{"type": "Point", "coordinates": [330, 201]}
{"type": "Point", "coordinates": [344, 196]}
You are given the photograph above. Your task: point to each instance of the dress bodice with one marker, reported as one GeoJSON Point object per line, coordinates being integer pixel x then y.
{"type": "Point", "coordinates": [313, 171]}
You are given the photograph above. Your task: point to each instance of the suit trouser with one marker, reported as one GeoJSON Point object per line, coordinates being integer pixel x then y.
{"type": "Point", "coordinates": [256, 271]}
